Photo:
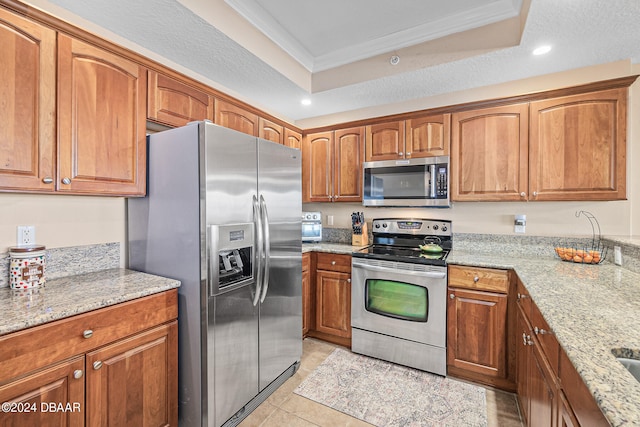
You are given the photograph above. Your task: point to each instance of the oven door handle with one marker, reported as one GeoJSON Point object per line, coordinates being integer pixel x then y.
{"type": "Point", "coordinates": [427, 274]}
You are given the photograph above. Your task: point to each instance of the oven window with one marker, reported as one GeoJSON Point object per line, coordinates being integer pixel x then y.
{"type": "Point", "coordinates": [397, 299]}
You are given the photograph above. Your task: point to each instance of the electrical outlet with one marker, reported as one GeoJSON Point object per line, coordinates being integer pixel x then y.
{"type": "Point", "coordinates": [617, 255]}
{"type": "Point", "coordinates": [329, 219]}
{"type": "Point", "coordinates": [26, 235]}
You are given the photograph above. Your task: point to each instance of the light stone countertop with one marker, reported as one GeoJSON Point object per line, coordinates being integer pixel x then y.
{"type": "Point", "coordinates": [71, 295]}
{"type": "Point", "coordinates": [592, 309]}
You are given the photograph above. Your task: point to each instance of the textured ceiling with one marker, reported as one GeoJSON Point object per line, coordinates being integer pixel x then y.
{"type": "Point", "coordinates": [582, 33]}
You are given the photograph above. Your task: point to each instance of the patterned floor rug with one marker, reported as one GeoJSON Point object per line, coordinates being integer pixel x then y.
{"type": "Point", "coordinates": [388, 395]}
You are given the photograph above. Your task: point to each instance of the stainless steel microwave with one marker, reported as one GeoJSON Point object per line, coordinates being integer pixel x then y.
{"type": "Point", "coordinates": [311, 226]}
{"type": "Point", "coordinates": [410, 182]}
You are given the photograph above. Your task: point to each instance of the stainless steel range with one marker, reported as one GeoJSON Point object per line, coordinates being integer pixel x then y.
{"type": "Point", "coordinates": [399, 293]}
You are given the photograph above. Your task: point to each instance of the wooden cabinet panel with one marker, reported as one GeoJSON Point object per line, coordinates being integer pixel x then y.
{"type": "Point", "coordinates": [578, 147]}
{"type": "Point", "coordinates": [333, 303]}
{"type": "Point", "coordinates": [385, 141]}
{"type": "Point", "coordinates": [477, 332]}
{"type": "Point", "coordinates": [543, 391]}
{"type": "Point", "coordinates": [174, 103]}
{"type": "Point", "coordinates": [428, 136]}
{"type": "Point", "coordinates": [27, 104]}
{"type": "Point", "coordinates": [271, 131]}
{"type": "Point", "coordinates": [307, 295]}
{"type": "Point", "coordinates": [317, 170]}
{"type": "Point", "coordinates": [134, 381]}
{"type": "Point", "coordinates": [292, 139]}
{"type": "Point", "coordinates": [233, 117]}
{"type": "Point", "coordinates": [545, 338]}
{"type": "Point", "coordinates": [348, 158]}
{"type": "Point", "coordinates": [489, 154]}
{"type": "Point", "coordinates": [101, 121]}
{"type": "Point", "coordinates": [482, 279]}
{"type": "Point", "coordinates": [523, 362]}
{"type": "Point", "coordinates": [56, 385]}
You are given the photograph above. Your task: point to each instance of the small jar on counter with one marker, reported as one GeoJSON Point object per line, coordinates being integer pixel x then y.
{"type": "Point", "coordinates": [27, 266]}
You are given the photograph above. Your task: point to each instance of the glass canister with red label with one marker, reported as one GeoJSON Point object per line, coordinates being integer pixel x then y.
{"type": "Point", "coordinates": [27, 266]}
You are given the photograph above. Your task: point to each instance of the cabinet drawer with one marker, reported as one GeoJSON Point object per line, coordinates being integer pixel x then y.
{"type": "Point", "coordinates": [546, 338]}
{"type": "Point", "coordinates": [333, 262]}
{"type": "Point", "coordinates": [482, 279]}
{"type": "Point", "coordinates": [34, 348]}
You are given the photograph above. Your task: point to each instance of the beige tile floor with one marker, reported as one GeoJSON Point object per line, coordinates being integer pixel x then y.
{"type": "Point", "coordinates": [286, 409]}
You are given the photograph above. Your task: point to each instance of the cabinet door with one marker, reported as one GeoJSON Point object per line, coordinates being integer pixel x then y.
{"type": "Point", "coordinates": [543, 389]}
{"type": "Point", "coordinates": [333, 303]}
{"type": "Point", "coordinates": [292, 139]}
{"type": "Point", "coordinates": [134, 382]}
{"type": "Point", "coordinates": [317, 161]}
{"type": "Point", "coordinates": [523, 362]}
{"type": "Point", "coordinates": [385, 141]}
{"type": "Point", "coordinates": [53, 396]}
{"type": "Point", "coordinates": [428, 136]}
{"type": "Point", "coordinates": [348, 157]}
{"type": "Point", "coordinates": [101, 121]}
{"type": "Point", "coordinates": [27, 104]}
{"type": "Point", "coordinates": [489, 159]}
{"type": "Point", "coordinates": [233, 117]}
{"type": "Point", "coordinates": [578, 147]}
{"type": "Point", "coordinates": [271, 131]}
{"type": "Point", "coordinates": [174, 103]}
{"type": "Point", "coordinates": [477, 332]}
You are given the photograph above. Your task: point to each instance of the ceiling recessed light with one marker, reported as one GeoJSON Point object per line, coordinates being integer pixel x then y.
{"type": "Point", "coordinates": [542, 50]}
{"type": "Point", "coordinates": [306, 101]}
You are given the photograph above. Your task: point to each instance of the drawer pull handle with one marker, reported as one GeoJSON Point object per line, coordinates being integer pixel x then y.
{"type": "Point", "coordinates": [541, 331]}
{"type": "Point", "coordinates": [77, 374]}
{"type": "Point", "coordinates": [475, 279]}
{"type": "Point", "coordinates": [526, 339]}
{"type": "Point", "coordinates": [97, 365]}
{"type": "Point", "coordinates": [88, 333]}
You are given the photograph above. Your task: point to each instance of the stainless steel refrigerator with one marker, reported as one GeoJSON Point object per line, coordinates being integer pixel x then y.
{"type": "Point", "coordinates": [223, 215]}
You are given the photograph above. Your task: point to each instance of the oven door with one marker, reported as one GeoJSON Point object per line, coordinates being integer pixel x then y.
{"type": "Point", "coordinates": [398, 299]}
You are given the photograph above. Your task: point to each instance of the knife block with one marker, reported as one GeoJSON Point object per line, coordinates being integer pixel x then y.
{"type": "Point", "coordinates": [361, 239]}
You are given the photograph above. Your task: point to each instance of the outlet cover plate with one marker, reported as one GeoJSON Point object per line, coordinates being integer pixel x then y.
{"type": "Point", "coordinates": [26, 235]}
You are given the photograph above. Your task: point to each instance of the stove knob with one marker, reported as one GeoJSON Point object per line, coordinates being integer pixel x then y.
{"type": "Point", "coordinates": [377, 225]}
{"type": "Point", "coordinates": [444, 228]}
{"type": "Point", "coordinates": [435, 227]}
{"type": "Point", "coordinates": [384, 225]}
{"type": "Point", "coordinates": [315, 216]}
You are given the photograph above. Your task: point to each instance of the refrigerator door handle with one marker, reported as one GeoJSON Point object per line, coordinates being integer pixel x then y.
{"type": "Point", "coordinates": [267, 248]}
{"type": "Point", "coordinates": [257, 265]}
{"type": "Point", "coordinates": [214, 276]}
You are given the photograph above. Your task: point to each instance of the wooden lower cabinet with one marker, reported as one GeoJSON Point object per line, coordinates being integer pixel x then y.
{"type": "Point", "coordinates": [96, 374]}
{"type": "Point", "coordinates": [332, 282]}
{"type": "Point", "coordinates": [550, 391]}
{"type": "Point", "coordinates": [479, 343]}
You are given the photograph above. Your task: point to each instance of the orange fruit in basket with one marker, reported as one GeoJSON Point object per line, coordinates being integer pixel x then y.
{"type": "Point", "coordinates": [580, 252]}
{"type": "Point", "coordinates": [596, 257]}
{"type": "Point", "coordinates": [588, 258]}
{"type": "Point", "coordinates": [577, 258]}
{"type": "Point", "coordinates": [568, 257]}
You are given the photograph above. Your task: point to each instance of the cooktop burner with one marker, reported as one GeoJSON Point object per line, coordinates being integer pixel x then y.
{"type": "Point", "coordinates": [400, 240]}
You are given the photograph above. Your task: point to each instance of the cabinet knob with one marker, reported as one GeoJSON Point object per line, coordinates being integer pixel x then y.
{"type": "Point", "coordinates": [526, 339]}
{"type": "Point", "coordinates": [523, 194]}
{"type": "Point", "coordinates": [97, 365]}
{"type": "Point", "coordinates": [66, 181]}
{"type": "Point", "coordinates": [475, 279]}
{"type": "Point", "coordinates": [408, 154]}
{"type": "Point", "coordinates": [400, 154]}
{"type": "Point", "coordinates": [452, 296]}
{"type": "Point", "coordinates": [47, 180]}
{"type": "Point", "coordinates": [88, 333]}
{"type": "Point", "coordinates": [541, 331]}
{"type": "Point", "coordinates": [348, 280]}
{"type": "Point", "coordinates": [77, 374]}
{"type": "Point", "coordinates": [333, 263]}
{"type": "Point", "coordinates": [535, 194]}
{"type": "Point", "coordinates": [522, 296]}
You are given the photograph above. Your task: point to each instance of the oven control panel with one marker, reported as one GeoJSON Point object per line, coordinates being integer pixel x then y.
{"type": "Point", "coordinates": [434, 227]}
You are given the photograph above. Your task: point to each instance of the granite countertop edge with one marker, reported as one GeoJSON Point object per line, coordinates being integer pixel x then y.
{"type": "Point", "coordinates": [564, 293]}
{"type": "Point", "coordinates": [68, 296]}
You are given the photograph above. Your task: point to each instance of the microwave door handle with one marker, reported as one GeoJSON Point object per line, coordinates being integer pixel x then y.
{"type": "Point", "coordinates": [257, 270]}
{"type": "Point", "coordinates": [267, 249]}
{"type": "Point", "coordinates": [432, 174]}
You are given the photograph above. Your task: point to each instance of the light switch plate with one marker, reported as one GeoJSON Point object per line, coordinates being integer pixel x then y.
{"type": "Point", "coordinates": [617, 255]}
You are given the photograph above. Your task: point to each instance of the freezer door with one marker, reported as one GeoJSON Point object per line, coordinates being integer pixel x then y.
{"type": "Point", "coordinates": [280, 193]}
{"type": "Point", "coordinates": [233, 353]}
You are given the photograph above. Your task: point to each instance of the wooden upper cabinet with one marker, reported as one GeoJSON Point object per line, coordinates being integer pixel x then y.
{"type": "Point", "coordinates": [385, 141]}
{"type": "Point", "coordinates": [348, 159]}
{"type": "Point", "coordinates": [174, 103]}
{"type": "Point", "coordinates": [489, 153]}
{"type": "Point", "coordinates": [578, 147]}
{"type": "Point", "coordinates": [101, 121]}
{"type": "Point", "coordinates": [271, 131]}
{"type": "Point", "coordinates": [428, 136]}
{"type": "Point", "coordinates": [317, 160]}
{"type": "Point", "coordinates": [27, 104]}
{"type": "Point", "coordinates": [292, 139]}
{"type": "Point", "coordinates": [233, 117]}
